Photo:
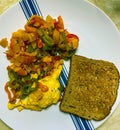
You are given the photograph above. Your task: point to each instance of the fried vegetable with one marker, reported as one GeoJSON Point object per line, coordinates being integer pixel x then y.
{"type": "Point", "coordinates": [35, 52]}
{"type": "Point", "coordinates": [4, 42]}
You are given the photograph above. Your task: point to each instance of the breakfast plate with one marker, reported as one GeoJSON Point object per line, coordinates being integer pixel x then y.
{"type": "Point", "coordinates": [99, 39]}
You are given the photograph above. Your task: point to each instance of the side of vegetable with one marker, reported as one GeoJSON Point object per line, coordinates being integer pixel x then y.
{"type": "Point", "coordinates": [33, 51]}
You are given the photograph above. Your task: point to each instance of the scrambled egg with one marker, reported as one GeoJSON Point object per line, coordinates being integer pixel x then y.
{"type": "Point", "coordinates": [44, 96]}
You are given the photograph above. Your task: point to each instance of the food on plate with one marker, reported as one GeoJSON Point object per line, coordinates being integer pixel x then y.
{"type": "Point", "coordinates": [38, 90]}
{"type": "Point", "coordinates": [36, 55]}
{"type": "Point", "coordinates": [91, 89]}
{"type": "Point", "coordinates": [4, 42]}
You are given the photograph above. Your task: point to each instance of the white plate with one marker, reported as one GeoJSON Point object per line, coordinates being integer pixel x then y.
{"type": "Point", "coordinates": [99, 39]}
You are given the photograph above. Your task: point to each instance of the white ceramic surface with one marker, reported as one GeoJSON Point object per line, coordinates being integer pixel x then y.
{"type": "Point", "coordinates": [99, 39]}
